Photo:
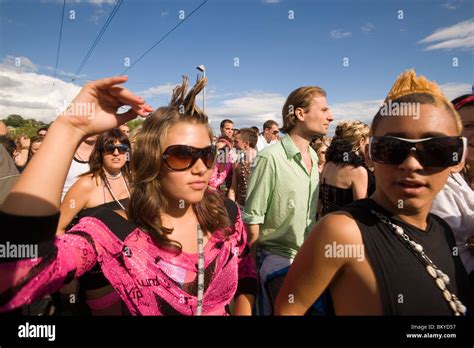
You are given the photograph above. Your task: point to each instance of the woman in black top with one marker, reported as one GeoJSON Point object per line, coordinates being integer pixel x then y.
{"type": "Point", "coordinates": [345, 177]}
{"type": "Point", "coordinates": [388, 255]}
{"type": "Point", "coordinates": [105, 185]}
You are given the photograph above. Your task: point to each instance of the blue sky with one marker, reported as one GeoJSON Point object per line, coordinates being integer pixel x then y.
{"type": "Point", "coordinates": [276, 54]}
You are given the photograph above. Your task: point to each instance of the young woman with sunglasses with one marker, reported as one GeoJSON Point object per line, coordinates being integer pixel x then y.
{"type": "Point", "coordinates": [180, 249]}
{"type": "Point", "coordinates": [387, 255]}
{"type": "Point", "coordinates": [105, 185]}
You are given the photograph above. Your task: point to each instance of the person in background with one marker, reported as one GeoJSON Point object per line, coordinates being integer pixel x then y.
{"type": "Point", "coordinates": [221, 177]}
{"type": "Point", "coordinates": [344, 178]}
{"type": "Point", "coordinates": [80, 162]}
{"type": "Point", "coordinates": [320, 145]}
{"type": "Point", "coordinates": [269, 135]}
{"type": "Point", "coordinates": [105, 185]}
{"type": "Point", "coordinates": [35, 144]}
{"type": "Point", "coordinates": [125, 130]}
{"type": "Point", "coordinates": [455, 202]}
{"type": "Point", "coordinates": [227, 128]}
{"type": "Point", "coordinates": [245, 142]}
{"type": "Point", "coordinates": [280, 207]}
{"type": "Point", "coordinates": [42, 132]}
{"type": "Point", "coordinates": [23, 151]}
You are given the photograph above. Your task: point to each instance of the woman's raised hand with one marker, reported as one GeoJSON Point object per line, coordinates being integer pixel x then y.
{"type": "Point", "coordinates": [94, 109]}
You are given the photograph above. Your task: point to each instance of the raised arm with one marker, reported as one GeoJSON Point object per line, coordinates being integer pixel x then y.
{"type": "Point", "coordinates": [38, 191]}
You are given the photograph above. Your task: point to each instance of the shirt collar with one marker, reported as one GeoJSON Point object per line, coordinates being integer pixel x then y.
{"type": "Point", "coordinates": [291, 150]}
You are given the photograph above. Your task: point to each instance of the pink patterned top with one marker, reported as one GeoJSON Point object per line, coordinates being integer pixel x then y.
{"type": "Point", "coordinates": [148, 279]}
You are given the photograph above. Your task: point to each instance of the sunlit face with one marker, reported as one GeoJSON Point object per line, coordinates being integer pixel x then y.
{"type": "Point", "coordinates": [125, 130]}
{"type": "Point", "coordinates": [317, 118]}
{"type": "Point", "coordinates": [322, 154]}
{"type": "Point", "coordinates": [114, 161]}
{"type": "Point", "coordinates": [188, 185]}
{"type": "Point", "coordinates": [228, 129]}
{"type": "Point", "coordinates": [35, 147]}
{"type": "Point", "coordinates": [467, 117]}
{"type": "Point", "coordinates": [410, 185]}
{"type": "Point", "coordinates": [271, 133]}
{"type": "Point", "coordinates": [239, 143]}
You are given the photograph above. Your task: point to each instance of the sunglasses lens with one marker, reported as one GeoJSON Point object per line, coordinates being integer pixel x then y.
{"type": "Point", "coordinates": [442, 151]}
{"type": "Point", "coordinates": [389, 150]}
{"type": "Point", "coordinates": [182, 157]}
{"type": "Point", "coordinates": [435, 152]}
{"type": "Point", "coordinates": [178, 157]}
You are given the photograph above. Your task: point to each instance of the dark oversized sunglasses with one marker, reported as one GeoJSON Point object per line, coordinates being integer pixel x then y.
{"type": "Point", "coordinates": [110, 148]}
{"type": "Point", "coordinates": [432, 152]}
{"type": "Point", "coordinates": [182, 157]}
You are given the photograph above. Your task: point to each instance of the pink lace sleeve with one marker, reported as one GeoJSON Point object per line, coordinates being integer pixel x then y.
{"type": "Point", "coordinates": [247, 274]}
{"type": "Point", "coordinates": [217, 177]}
{"type": "Point", "coordinates": [27, 280]}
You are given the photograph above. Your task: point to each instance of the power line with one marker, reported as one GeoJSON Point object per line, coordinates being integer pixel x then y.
{"type": "Point", "coordinates": [164, 37]}
{"type": "Point", "coordinates": [99, 36]}
{"type": "Point", "coordinates": [59, 41]}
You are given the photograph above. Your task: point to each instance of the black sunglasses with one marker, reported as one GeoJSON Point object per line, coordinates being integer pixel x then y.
{"type": "Point", "coordinates": [182, 157]}
{"type": "Point", "coordinates": [432, 152]}
{"type": "Point", "coordinates": [110, 148]}
{"type": "Point", "coordinates": [275, 132]}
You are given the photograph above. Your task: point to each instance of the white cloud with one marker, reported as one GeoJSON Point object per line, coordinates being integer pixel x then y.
{"type": "Point", "coordinates": [32, 95]}
{"type": "Point", "coordinates": [249, 109]}
{"type": "Point", "coordinates": [164, 13]}
{"type": "Point", "coordinates": [362, 110]}
{"type": "Point", "coordinates": [339, 34]}
{"type": "Point", "coordinates": [159, 90]}
{"type": "Point", "coordinates": [452, 4]}
{"type": "Point", "coordinates": [92, 2]}
{"type": "Point", "coordinates": [271, 1]}
{"type": "Point", "coordinates": [453, 90]}
{"type": "Point", "coordinates": [367, 27]}
{"type": "Point", "coordinates": [460, 35]}
{"type": "Point", "coordinates": [19, 64]}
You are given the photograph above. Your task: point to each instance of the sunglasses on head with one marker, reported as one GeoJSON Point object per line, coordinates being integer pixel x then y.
{"type": "Point", "coordinates": [441, 151]}
{"type": "Point", "coordinates": [110, 148]}
{"type": "Point", "coordinates": [182, 157]}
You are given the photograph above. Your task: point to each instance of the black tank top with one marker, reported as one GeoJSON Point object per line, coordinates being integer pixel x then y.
{"type": "Point", "coordinates": [333, 198]}
{"type": "Point", "coordinates": [405, 286]}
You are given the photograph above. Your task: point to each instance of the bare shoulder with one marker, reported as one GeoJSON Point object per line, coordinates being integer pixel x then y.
{"type": "Point", "coordinates": [339, 227]}
{"type": "Point", "coordinates": [86, 183]}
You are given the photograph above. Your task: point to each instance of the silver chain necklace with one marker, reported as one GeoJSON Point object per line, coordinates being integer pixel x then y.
{"type": "Point", "coordinates": [112, 192]}
{"type": "Point", "coordinates": [441, 279]}
{"type": "Point", "coordinates": [200, 293]}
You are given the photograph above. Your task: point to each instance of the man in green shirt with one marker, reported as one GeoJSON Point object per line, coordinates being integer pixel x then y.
{"type": "Point", "coordinates": [282, 193]}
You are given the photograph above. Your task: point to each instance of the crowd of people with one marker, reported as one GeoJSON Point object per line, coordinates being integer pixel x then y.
{"type": "Point", "coordinates": [170, 219]}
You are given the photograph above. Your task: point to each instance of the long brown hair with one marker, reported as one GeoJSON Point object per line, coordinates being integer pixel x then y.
{"type": "Point", "coordinates": [148, 200]}
{"type": "Point", "coordinates": [95, 160]}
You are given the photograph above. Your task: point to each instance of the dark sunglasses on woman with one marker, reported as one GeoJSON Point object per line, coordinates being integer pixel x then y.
{"type": "Point", "coordinates": [441, 151]}
{"type": "Point", "coordinates": [110, 148]}
{"type": "Point", "coordinates": [182, 157]}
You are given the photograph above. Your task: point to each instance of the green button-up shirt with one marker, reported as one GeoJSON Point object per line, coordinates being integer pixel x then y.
{"type": "Point", "coordinates": [282, 198]}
